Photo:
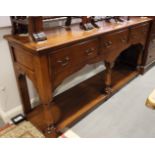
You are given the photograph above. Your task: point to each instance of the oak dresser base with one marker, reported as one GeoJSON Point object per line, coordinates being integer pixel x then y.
{"type": "Point", "coordinates": [65, 52]}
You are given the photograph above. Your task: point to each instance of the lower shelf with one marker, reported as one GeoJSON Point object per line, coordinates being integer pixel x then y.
{"type": "Point", "coordinates": [75, 103]}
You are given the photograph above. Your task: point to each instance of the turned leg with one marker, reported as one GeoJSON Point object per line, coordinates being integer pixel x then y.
{"type": "Point", "coordinates": [50, 130]}
{"type": "Point", "coordinates": [47, 102]}
{"type": "Point", "coordinates": [51, 116]}
{"type": "Point", "coordinates": [108, 80]}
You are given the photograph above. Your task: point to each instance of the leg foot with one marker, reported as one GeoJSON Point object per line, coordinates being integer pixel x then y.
{"type": "Point", "coordinates": [51, 131]}
{"type": "Point", "coordinates": [108, 90]}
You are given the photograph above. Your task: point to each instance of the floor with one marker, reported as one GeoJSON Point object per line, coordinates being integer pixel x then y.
{"type": "Point", "coordinates": [123, 115]}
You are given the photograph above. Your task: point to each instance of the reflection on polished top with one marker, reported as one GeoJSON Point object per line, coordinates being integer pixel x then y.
{"type": "Point", "coordinates": [60, 35]}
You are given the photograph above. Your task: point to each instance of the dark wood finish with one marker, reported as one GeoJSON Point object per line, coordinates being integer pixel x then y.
{"type": "Point", "coordinates": [49, 62]}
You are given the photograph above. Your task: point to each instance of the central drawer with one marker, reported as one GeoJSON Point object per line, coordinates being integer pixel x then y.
{"type": "Point", "coordinates": [68, 58]}
{"type": "Point", "coordinates": [115, 40]}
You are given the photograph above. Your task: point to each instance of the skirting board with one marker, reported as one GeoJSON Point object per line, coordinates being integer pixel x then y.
{"type": "Point", "coordinates": [6, 116]}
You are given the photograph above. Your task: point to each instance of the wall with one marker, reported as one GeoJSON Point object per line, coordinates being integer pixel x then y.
{"type": "Point", "coordinates": [9, 97]}
{"type": "Point", "coordinates": [10, 103]}
{"type": "Point", "coordinates": [4, 21]}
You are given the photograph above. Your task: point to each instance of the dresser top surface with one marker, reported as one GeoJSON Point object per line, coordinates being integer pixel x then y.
{"type": "Point", "coordinates": [60, 36]}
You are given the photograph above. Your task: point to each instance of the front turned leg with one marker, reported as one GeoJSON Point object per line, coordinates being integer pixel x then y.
{"type": "Point", "coordinates": [51, 115]}
{"type": "Point", "coordinates": [50, 110]}
{"type": "Point", "coordinates": [44, 88]}
{"type": "Point", "coordinates": [107, 79]}
{"type": "Point", "coordinates": [50, 130]}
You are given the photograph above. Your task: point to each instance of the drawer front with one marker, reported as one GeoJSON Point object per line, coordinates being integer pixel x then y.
{"type": "Point", "coordinates": [138, 34]}
{"type": "Point", "coordinates": [63, 59]}
{"type": "Point", "coordinates": [113, 41]}
{"type": "Point", "coordinates": [88, 50]}
{"type": "Point", "coordinates": [68, 58]}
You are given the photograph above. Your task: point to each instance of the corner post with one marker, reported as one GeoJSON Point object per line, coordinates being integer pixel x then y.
{"type": "Point", "coordinates": [44, 87]}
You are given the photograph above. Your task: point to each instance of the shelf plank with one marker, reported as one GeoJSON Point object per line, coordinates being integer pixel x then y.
{"type": "Point", "coordinates": [75, 103]}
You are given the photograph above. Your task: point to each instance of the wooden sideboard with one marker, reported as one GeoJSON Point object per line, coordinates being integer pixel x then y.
{"type": "Point", "coordinates": [49, 62]}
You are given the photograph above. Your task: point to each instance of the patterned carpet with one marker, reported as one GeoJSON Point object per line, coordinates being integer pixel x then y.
{"type": "Point", "coordinates": [23, 130]}
{"type": "Point", "coordinates": [28, 130]}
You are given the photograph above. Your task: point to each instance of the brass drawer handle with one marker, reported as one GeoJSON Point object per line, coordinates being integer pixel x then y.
{"type": "Point", "coordinates": [107, 44]}
{"type": "Point", "coordinates": [64, 62]}
{"type": "Point", "coordinates": [90, 51]}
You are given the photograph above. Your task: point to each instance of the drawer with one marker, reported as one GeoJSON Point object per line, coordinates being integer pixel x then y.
{"type": "Point", "coordinates": [138, 34]}
{"type": "Point", "coordinates": [116, 40]}
{"type": "Point", "coordinates": [68, 58]}
{"type": "Point", "coordinates": [88, 49]}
